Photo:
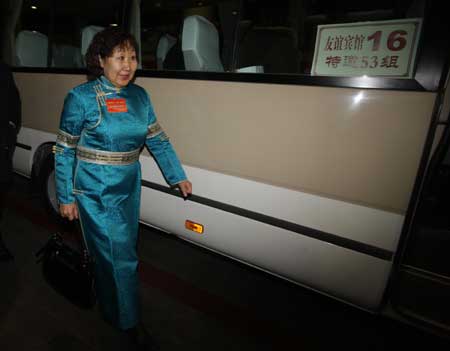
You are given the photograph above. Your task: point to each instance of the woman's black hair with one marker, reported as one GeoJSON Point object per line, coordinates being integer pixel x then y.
{"type": "Point", "coordinates": [103, 45]}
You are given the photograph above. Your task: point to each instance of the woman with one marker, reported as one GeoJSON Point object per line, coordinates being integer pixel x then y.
{"type": "Point", "coordinates": [104, 124]}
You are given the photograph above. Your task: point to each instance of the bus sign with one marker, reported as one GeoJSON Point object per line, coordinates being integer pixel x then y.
{"type": "Point", "coordinates": [381, 48]}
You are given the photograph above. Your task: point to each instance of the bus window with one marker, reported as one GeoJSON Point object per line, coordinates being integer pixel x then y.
{"type": "Point", "coordinates": [186, 35]}
{"type": "Point", "coordinates": [58, 35]}
{"type": "Point", "coordinates": [31, 35]}
{"type": "Point", "coordinates": [268, 36]}
{"type": "Point", "coordinates": [75, 26]}
{"type": "Point", "coordinates": [281, 35]}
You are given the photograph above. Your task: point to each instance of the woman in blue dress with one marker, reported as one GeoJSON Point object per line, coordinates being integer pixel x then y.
{"type": "Point", "coordinates": [104, 125]}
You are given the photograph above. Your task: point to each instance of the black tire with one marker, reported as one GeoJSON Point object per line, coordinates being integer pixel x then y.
{"type": "Point", "coordinates": [48, 187]}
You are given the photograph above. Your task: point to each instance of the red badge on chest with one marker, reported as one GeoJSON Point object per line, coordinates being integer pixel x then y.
{"type": "Point", "coordinates": [116, 105]}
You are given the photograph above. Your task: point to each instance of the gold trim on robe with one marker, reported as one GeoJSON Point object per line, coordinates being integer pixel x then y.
{"type": "Point", "coordinates": [153, 130]}
{"type": "Point", "coordinates": [66, 139]}
{"type": "Point", "coordinates": [107, 157]}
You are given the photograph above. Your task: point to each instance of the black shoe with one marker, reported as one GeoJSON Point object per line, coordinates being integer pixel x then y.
{"type": "Point", "coordinates": [142, 339]}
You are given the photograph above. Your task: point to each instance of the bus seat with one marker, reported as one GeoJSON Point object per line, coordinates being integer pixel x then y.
{"type": "Point", "coordinates": [271, 47]}
{"type": "Point", "coordinates": [66, 56]}
{"type": "Point", "coordinates": [31, 49]}
{"type": "Point", "coordinates": [200, 45]}
{"type": "Point", "coordinates": [174, 59]}
{"type": "Point", "coordinates": [251, 69]}
{"type": "Point", "coordinates": [87, 34]}
{"type": "Point", "coordinates": [165, 43]}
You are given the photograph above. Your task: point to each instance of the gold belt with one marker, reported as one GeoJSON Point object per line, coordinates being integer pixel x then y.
{"type": "Point", "coordinates": [107, 157]}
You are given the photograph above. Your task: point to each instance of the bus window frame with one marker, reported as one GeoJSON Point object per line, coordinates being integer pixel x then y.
{"type": "Point", "coordinates": [431, 67]}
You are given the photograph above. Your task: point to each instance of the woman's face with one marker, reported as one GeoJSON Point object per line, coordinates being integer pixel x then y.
{"type": "Point", "coordinates": [119, 68]}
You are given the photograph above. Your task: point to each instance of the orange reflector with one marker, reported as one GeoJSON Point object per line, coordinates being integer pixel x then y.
{"type": "Point", "coordinates": [195, 227]}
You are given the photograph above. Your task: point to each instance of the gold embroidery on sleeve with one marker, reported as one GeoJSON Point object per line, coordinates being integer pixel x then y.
{"type": "Point", "coordinates": [154, 129]}
{"type": "Point", "coordinates": [65, 139]}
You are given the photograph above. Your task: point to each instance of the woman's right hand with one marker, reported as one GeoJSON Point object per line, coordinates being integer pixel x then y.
{"type": "Point", "coordinates": [69, 211]}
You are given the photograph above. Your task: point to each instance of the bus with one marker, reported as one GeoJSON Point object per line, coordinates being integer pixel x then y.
{"type": "Point", "coordinates": [315, 133]}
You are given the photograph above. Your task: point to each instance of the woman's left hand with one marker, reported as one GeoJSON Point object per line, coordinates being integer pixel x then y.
{"type": "Point", "coordinates": [185, 188]}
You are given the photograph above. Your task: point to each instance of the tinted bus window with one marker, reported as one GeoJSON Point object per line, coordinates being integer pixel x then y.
{"type": "Point", "coordinates": [281, 36]}
{"type": "Point", "coordinates": [187, 35]}
{"type": "Point", "coordinates": [75, 26]}
{"type": "Point", "coordinates": [35, 16]}
{"type": "Point", "coordinates": [277, 40]}
{"type": "Point", "coordinates": [57, 34]}
{"type": "Point", "coordinates": [31, 34]}
{"type": "Point", "coordinates": [266, 36]}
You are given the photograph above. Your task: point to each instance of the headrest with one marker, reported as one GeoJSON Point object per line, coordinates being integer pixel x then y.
{"type": "Point", "coordinates": [66, 56]}
{"type": "Point", "coordinates": [87, 34]}
{"type": "Point", "coordinates": [200, 45]}
{"type": "Point", "coordinates": [165, 43]}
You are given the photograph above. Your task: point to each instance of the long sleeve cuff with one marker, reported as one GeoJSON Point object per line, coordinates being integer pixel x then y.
{"type": "Point", "coordinates": [167, 160]}
{"type": "Point", "coordinates": [64, 162]}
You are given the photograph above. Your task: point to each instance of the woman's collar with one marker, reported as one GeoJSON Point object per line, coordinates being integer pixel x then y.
{"type": "Point", "coordinates": [108, 85]}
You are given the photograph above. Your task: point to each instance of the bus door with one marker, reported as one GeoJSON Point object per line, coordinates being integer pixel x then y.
{"type": "Point", "coordinates": [422, 282]}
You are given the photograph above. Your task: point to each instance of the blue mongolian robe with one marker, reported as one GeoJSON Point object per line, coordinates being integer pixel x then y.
{"type": "Point", "coordinates": [102, 131]}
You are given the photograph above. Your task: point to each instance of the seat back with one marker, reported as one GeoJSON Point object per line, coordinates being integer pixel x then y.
{"type": "Point", "coordinates": [66, 56]}
{"type": "Point", "coordinates": [165, 43]}
{"type": "Point", "coordinates": [31, 49]}
{"type": "Point", "coordinates": [87, 34]}
{"type": "Point", "coordinates": [200, 45]}
{"type": "Point", "coordinates": [270, 47]}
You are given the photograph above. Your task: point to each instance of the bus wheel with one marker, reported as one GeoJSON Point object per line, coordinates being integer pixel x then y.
{"type": "Point", "coordinates": [48, 186]}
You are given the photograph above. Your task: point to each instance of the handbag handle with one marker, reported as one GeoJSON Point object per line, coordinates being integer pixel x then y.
{"type": "Point", "coordinates": [81, 237]}
{"type": "Point", "coordinates": [57, 239]}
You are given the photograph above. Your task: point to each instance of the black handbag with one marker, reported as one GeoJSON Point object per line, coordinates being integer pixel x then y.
{"type": "Point", "coordinates": [68, 271]}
